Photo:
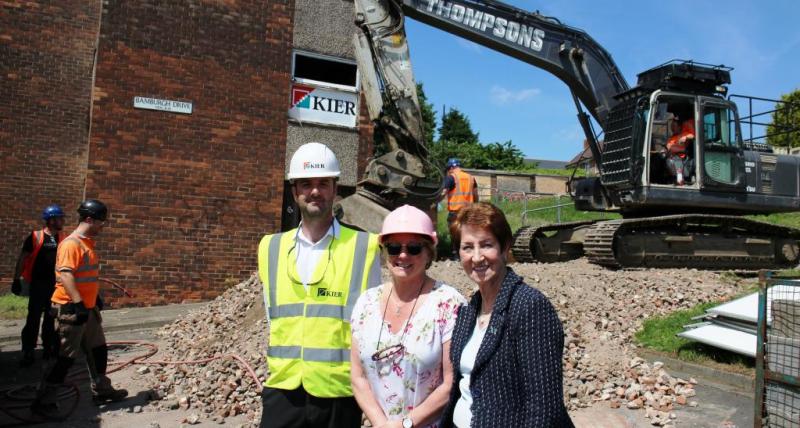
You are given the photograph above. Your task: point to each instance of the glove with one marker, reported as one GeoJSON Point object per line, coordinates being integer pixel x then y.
{"type": "Point", "coordinates": [81, 313]}
{"type": "Point", "coordinates": [16, 287]}
{"type": "Point", "coordinates": [74, 313]}
{"type": "Point", "coordinates": [99, 303]}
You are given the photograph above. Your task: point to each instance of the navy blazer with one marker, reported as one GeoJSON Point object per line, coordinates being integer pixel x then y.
{"type": "Point", "coordinates": [517, 377]}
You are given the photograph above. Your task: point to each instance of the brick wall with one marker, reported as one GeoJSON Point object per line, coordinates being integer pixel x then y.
{"type": "Point", "coordinates": [190, 195]}
{"type": "Point", "coordinates": [46, 58]}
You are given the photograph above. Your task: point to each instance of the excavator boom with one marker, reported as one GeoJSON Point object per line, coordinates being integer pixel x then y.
{"type": "Point", "coordinates": [390, 91]}
{"type": "Point", "coordinates": [667, 222]}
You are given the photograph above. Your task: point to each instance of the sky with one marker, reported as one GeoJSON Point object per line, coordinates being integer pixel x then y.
{"type": "Point", "coordinates": [506, 99]}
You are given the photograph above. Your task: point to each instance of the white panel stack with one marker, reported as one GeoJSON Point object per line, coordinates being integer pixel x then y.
{"type": "Point", "coordinates": [733, 325]}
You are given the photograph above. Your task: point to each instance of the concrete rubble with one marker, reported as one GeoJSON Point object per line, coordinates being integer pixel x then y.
{"type": "Point", "coordinates": [601, 310]}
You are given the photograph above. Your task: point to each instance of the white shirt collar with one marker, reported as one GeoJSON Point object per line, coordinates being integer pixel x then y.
{"type": "Point", "coordinates": [334, 230]}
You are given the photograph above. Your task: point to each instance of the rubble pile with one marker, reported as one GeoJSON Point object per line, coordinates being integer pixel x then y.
{"type": "Point", "coordinates": [234, 323]}
{"type": "Point", "coordinates": [601, 310]}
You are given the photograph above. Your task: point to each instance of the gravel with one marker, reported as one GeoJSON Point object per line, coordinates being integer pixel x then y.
{"type": "Point", "coordinates": [601, 310]}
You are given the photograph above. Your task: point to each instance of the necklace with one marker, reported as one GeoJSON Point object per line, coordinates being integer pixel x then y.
{"type": "Point", "coordinates": [483, 319]}
{"type": "Point", "coordinates": [380, 332]}
{"type": "Point", "coordinates": [399, 306]}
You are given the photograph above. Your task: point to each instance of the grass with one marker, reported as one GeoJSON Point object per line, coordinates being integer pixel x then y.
{"type": "Point", "coordinates": [13, 307]}
{"type": "Point", "coordinates": [783, 219]}
{"type": "Point", "coordinates": [660, 334]}
{"type": "Point", "coordinates": [514, 214]}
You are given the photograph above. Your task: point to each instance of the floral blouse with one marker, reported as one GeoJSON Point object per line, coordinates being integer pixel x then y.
{"type": "Point", "coordinates": [403, 381]}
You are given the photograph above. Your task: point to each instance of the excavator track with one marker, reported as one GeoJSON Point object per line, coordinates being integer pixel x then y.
{"type": "Point", "coordinates": [549, 243]}
{"type": "Point", "coordinates": [692, 241]}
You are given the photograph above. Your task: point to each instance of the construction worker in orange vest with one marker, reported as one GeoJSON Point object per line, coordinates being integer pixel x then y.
{"type": "Point", "coordinates": [34, 276]}
{"type": "Point", "coordinates": [460, 189]}
{"type": "Point", "coordinates": [679, 145]}
{"type": "Point", "coordinates": [77, 315]}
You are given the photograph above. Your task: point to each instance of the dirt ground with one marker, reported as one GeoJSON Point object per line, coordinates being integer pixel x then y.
{"type": "Point", "coordinates": [600, 309]}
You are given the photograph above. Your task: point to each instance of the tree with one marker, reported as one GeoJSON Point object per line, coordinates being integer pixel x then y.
{"type": "Point", "coordinates": [458, 140]}
{"type": "Point", "coordinates": [503, 156]}
{"type": "Point", "coordinates": [784, 131]}
{"type": "Point", "coordinates": [428, 116]}
{"type": "Point", "coordinates": [456, 128]}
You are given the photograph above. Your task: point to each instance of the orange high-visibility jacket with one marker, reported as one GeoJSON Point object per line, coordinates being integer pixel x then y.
{"type": "Point", "coordinates": [38, 241]}
{"type": "Point", "coordinates": [76, 254]}
{"type": "Point", "coordinates": [674, 145]}
{"type": "Point", "coordinates": [461, 195]}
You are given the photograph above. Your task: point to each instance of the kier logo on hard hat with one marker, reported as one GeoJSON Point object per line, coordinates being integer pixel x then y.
{"type": "Point", "coordinates": [313, 165]}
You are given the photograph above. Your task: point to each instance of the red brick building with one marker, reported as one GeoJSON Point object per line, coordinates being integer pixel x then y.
{"type": "Point", "coordinates": [190, 193]}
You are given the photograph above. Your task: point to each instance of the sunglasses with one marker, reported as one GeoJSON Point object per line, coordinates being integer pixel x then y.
{"type": "Point", "coordinates": [413, 249]}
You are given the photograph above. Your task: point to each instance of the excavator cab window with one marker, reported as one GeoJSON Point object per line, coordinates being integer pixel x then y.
{"type": "Point", "coordinates": [669, 112]}
{"type": "Point", "coordinates": [721, 150]}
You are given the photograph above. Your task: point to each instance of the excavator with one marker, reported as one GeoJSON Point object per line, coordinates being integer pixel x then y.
{"type": "Point", "coordinates": [697, 222]}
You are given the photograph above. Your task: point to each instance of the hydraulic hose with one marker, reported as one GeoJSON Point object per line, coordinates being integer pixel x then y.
{"type": "Point", "coordinates": [21, 397]}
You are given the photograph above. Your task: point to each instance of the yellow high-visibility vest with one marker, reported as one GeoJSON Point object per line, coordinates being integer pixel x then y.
{"type": "Point", "coordinates": [309, 341]}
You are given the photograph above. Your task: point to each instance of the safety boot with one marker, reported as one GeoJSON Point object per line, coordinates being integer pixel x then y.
{"type": "Point", "coordinates": [46, 402]}
{"type": "Point", "coordinates": [103, 391]}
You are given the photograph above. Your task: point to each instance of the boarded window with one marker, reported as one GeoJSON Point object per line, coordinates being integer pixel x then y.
{"type": "Point", "coordinates": [324, 69]}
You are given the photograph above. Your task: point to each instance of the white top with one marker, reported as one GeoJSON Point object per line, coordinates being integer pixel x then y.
{"type": "Point", "coordinates": [462, 415]}
{"type": "Point", "coordinates": [309, 253]}
{"type": "Point", "coordinates": [401, 383]}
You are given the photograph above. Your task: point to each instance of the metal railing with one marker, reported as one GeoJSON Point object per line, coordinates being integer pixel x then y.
{"type": "Point", "coordinates": [499, 195]}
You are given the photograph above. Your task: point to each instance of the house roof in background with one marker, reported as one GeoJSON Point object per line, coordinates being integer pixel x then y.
{"type": "Point", "coordinates": [548, 164]}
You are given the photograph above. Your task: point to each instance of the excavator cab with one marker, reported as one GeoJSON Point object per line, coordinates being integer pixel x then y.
{"type": "Point", "coordinates": [713, 145]}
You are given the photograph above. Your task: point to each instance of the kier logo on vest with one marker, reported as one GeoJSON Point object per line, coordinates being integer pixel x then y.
{"type": "Point", "coordinates": [324, 292]}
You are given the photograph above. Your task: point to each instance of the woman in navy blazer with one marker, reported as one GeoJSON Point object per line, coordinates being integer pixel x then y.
{"type": "Point", "coordinates": [507, 344]}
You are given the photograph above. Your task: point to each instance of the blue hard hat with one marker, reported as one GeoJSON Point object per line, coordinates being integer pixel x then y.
{"type": "Point", "coordinates": [52, 211]}
{"type": "Point", "coordinates": [453, 162]}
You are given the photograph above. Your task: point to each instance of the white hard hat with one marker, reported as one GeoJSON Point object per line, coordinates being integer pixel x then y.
{"type": "Point", "coordinates": [313, 160]}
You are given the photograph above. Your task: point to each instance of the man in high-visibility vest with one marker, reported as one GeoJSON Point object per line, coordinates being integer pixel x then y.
{"type": "Point", "coordinates": [460, 188]}
{"type": "Point", "coordinates": [678, 148]}
{"type": "Point", "coordinates": [36, 267]}
{"type": "Point", "coordinates": [312, 277]}
{"type": "Point", "coordinates": [78, 320]}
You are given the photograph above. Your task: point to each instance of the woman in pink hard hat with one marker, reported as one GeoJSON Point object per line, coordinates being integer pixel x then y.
{"type": "Point", "coordinates": [400, 357]}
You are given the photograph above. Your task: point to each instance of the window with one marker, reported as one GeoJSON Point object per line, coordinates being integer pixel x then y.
{"type": "Point", "coordinates": [720, 144]}
{"type": "Point", "coordinates": [315, 68]}
{"type": "Point", "coordinates": [718, 127]}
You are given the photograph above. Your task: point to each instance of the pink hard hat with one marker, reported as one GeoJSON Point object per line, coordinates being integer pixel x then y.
{"type": "Point", "coordinates": [408, 219]}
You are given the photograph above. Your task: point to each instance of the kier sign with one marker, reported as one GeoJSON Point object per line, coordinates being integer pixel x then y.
{"type": "Point", "coordinates": [322, 105]}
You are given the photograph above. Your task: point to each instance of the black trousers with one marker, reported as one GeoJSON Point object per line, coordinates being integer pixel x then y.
{"type": "Point", "coordinates": [38, 305]}
{"type": "Point", "coordinates": [298, 409]}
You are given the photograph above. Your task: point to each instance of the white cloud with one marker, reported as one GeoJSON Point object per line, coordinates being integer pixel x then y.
{"type": "Point", "coordinates": [502, 96]}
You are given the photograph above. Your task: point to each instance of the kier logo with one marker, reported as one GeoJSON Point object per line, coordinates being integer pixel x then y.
{"type": "Point", "coordinates": [304, 97]}
{"type": "Point", "coordinates": [323, 105]}
{"type": "Point", "coordinates": [313, 165]}
{"type": "Point", "coordinates": [301, 96]}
